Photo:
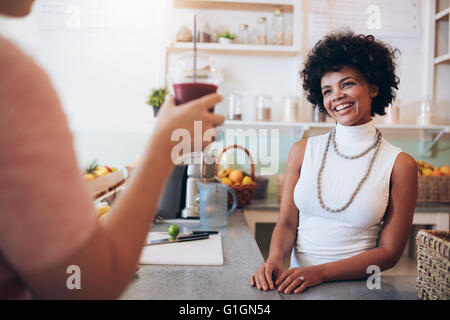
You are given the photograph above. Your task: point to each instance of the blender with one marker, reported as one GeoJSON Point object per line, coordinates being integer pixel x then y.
{"type": "Point", "coordinates": [200, 168]}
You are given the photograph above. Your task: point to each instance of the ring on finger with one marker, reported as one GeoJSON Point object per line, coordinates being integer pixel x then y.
{"type": "Point", "coordinates": [301, 278]}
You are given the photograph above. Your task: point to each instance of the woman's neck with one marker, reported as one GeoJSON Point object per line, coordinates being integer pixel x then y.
{"type": "Point", "coordinates": [359, 135]}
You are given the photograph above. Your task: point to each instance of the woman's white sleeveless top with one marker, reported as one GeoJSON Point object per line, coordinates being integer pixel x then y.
{"type": "Point", "coordinates": [324, 236]}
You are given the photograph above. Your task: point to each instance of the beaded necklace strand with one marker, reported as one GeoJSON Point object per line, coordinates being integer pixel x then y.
{"type": "Point", "coordinates": [332, 138]}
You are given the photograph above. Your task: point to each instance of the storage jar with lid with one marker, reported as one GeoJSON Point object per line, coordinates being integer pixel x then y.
{"type": "Point", "coordinates": [277, 30]}
{"type": "Point", "coordinates": [263, 108]}
{"type": "Point", "coordinates": [234, 111]}
{"type": "Point", "coordinates": [261, 31]}
{"type": "Point", "coordinates": [243, 36]}
{"type": "Point", "coordinates": [204, 32]}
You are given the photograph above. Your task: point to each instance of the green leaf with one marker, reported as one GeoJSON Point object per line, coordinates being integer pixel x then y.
{"type": "Point", "coordinates": [157, 96]}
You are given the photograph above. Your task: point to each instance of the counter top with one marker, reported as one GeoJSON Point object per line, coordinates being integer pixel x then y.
{"type": "Point", "coordinates": [231, 280]}
{"type": "Point", "coordinates": [272, 203]}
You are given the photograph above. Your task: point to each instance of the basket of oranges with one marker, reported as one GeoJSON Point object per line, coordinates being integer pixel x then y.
{"type": "Point", "coordinates": [241, 182]}
{"type": "Point", "coordinates": [433, 183]}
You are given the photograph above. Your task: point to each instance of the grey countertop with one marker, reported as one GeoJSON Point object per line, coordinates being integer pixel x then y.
{"type": "Point", "coordinates": [272, 203]}
{"type": "Point", "coordinates": [231, 280]}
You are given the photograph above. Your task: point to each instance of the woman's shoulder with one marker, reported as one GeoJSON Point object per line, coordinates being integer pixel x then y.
{"type": "Point", "coordinates": [16, 66]}
{"type": "Point", "coordinates": [405, 164]}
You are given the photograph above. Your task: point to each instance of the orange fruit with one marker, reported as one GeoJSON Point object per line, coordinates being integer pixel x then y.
{"type": "Point", "coordinates": [427, 172]}
{"type": "Point", "coordinates": [224, 172]}
{"type": "Point", "coordinates": [226, 181]}
{"type": "Point", "coordinates": [236, 176]}
{"type": "Point", "coordinates": [436, 172]}
{"type": "Point", "coordinates": [89, 177]}
{"type": "Point", "coordinates": [445, 170]}
{"type": "Point", "coordinates": [247, 180]}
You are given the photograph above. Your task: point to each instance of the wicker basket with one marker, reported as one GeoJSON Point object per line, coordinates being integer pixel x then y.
{"type": "Point", "coordinates": [433, 189]}
{"type": "Point", "coordinates": [433, 264]}
{"type": "Point", "coordinates": [244, 192]}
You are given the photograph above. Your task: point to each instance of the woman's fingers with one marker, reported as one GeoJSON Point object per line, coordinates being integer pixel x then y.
{"type": "Point", "coordinates": [283, 276]}
{"type": "Point", "coordinates": [258, 283]}
{"type": "Point", "coordinates": [206, 102]}
{"type": "Point", "coordinates": [294, 284]}
{"type": "Point", "coordinates": [292, 277]}
{"type": "Point", "coordinates": [215, 119]}
{"type": "Point", "coordinates": [268, 273]}
{"type": "Point", "coordinates": [262, 280]}
{"type": "Point", "coordinates": [302, 288]}
{"type": "Point", "coordinates": [252, 280]}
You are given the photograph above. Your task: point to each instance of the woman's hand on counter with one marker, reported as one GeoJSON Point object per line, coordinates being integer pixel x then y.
{"type": "Point", "coordinates": [266, 273]}
{"type": "Point", "coordinates": [298, 279]}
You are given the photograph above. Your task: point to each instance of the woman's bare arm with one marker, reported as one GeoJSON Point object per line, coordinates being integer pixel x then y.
{"type": "Point", "coordinates": [285, 232]}
{"type": "Point", "coordinates": [393, 237]}
{"type": "Point", "coordinates": [108, 257]}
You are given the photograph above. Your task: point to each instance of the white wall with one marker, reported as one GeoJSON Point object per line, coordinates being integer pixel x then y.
{"type": "Point", "coordinates": [105, 69]}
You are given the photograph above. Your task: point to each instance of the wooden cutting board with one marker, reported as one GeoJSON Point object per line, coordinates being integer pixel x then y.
{"type": "Point", "coordinates": [198, 252]}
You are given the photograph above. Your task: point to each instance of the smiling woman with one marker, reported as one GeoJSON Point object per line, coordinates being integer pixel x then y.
{"type": "Point", "coordinates": [349, 195]}
{"type": "Point", "coordinates": [371, 61]}
{"type": "Point", "coordinates": [347, 95]}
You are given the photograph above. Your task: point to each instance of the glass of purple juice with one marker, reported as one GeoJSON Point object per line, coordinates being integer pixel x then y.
{"type": "Point", "coordinates": [189, 85]}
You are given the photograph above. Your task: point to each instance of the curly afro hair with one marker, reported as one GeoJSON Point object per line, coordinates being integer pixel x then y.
{"type": "Point", "coordinates": [373, 58]}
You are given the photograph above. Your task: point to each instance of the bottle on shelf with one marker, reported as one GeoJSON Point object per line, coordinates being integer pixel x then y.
{"type": "Point", "coordinates": [261, 31]}
{"type": "Point", "coordinates": [425, 117]}
{"type": "Point", "coordinates": [277, 31]}
{"type": "Point", "coordinates": [263, 108]}
{"type": "Point", "coordinates": [234, 107]}
{"type": "Point", "coordinates": [393, 113]}
{"type": "Point", "coordinates": [243, 35]}
{"type": "Point", "coordinates": [204, 32]}
{"type": "Point", "coordinates": [319, 116]}
{"type": "Point", "coordinates": [290, 109]}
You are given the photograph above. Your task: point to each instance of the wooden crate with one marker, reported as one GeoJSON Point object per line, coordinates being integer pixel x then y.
{"type": "Point", "coordinates": [102, 185]}
{"type": "Point", "coordinates": [434, 189]}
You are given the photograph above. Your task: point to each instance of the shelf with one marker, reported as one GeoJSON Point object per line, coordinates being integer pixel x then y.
{"type": "Point", "coordinates": [442, 14]}
{"type": "Point", "coordinates": [247, 5]}
{"type": "Point", "coordinates": [240, 49]}
{"type": "Point", "coordinates": [308, 125]}
{"type": "Point", "coordinates": [442, 59]}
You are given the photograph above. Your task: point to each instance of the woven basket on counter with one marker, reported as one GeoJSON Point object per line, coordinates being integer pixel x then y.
{"type": "Point", "coordinates": [433, 264]}
{"type": "Point", "coordinates": [244, 192]}
{"type": "Point", "coordinates": [433, 189]}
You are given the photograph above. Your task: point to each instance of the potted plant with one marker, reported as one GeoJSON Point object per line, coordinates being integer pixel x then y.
{"type": "Point", "coordinates": [226, 37]}
{"type": "Point", "coordinates": [156, 99]}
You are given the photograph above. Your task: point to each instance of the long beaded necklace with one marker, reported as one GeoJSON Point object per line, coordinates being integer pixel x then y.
{"type": "Point", "coordinates": [332, 138]}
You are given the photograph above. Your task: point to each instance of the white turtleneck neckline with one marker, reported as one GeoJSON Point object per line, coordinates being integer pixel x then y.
{"type": "Point", "coordinates": [353, 136]}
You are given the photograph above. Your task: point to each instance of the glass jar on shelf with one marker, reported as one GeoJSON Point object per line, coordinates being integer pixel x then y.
{"type": "Point", "coordinates": [234, 107]}
{"type": "Point", "coordinates": [277, 30]}
{"type": "Point", "coordinates": [425, 117]}
{"type": "Point", "coordinates": [393, 113]}
{"type": "Point", "coordinates": [290, 109]}
{"type": "Point", "coordinates": [243, 35]}
{"type": "Point", "coordinates": [261, 31]}
{"type": "Point", "coordinates": [204, 32]}
{"type": "Point", "coordinates": [263, 108]}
